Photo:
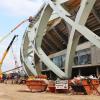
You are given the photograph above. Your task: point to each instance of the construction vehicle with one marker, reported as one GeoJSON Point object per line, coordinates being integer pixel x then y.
{"type": "Point", "coordinates": [5, 54]}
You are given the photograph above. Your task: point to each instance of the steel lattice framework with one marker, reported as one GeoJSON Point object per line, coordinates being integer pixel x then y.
{"type": "Point", "coordinates": [33, 36]}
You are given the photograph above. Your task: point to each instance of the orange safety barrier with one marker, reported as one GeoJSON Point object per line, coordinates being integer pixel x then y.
{"type": "Point", "coordinates": [51, 87]}
{"type": "Point", "coordinates": [59, 87]}
{"type": "Point", "coordinates": [87, 86]}
{"type": "Point", "coordinates": [36, 85]}
{"type": "Point", "coordinates": [91, 85]}
{"type": "Point", "coordinates": [41, 76]}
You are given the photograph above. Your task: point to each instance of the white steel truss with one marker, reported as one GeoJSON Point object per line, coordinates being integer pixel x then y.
{"type": "Point", "coordinates": [35, 35]}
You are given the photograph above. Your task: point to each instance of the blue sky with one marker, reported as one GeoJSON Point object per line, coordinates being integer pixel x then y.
{"type": "Point", "coordinates": [11, 13]}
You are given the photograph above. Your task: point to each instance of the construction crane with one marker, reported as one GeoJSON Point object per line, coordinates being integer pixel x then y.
{"type": "Point", "coordinates": [15, 58]}
{"type": "Point", "coordinates": [5, 53]}
{"type": "Point", "coordinates": [16, 27]}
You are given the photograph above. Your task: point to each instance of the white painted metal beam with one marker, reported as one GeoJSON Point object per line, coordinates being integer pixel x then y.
{"type": "Point", "coordinates": [35, 34]}
{"type": "Point", "coordinates": [30, 69]}
{"type": "Point", "coordinates": [81, 18]}
{"type": "Point", "coordinates": [44, 58]}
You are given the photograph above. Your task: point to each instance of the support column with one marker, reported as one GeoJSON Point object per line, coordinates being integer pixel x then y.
{"type": "Point", "coordinates": [97, 71]}
{"type": "Point", "coordinates": [79, 72]}
{"type": "Point", "coordinates": [81, 19]}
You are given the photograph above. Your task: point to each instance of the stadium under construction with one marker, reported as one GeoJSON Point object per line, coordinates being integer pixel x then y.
{"type": "Point", "coordinates": [60, 49]}
{"type": "Point", "coordinates": [70, 40]}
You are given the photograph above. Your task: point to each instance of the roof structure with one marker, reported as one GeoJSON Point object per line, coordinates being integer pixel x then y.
{"type": "Point", "coordinates": [60, 24]}
{"type": "Point", "coordinates": [56, 37]}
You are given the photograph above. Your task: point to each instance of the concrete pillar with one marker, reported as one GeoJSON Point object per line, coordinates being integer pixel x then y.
{"type": "Point", "coordinates": [97, 71]}
{"type": "Point", "coordinates": [79, 71]}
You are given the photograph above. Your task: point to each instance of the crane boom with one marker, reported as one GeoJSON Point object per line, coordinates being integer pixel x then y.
{"type": "Point", "coordinates": [5, 53]}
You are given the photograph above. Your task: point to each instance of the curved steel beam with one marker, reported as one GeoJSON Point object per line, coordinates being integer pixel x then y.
{"type": "Point", "coordinates": [37, 32]}
{"type": "Point", "coordinates": [30, 69]}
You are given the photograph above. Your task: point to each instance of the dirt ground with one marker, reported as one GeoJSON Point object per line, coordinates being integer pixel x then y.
{"type": "Point", "coordinates": [15, 92]}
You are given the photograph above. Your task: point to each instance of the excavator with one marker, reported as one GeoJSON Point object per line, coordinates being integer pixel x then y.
{"type": "Point", "coordinates": [5, 54]}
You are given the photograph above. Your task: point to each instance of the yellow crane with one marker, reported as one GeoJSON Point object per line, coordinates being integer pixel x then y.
{"type": "Point", "coordinates": [5, 53]}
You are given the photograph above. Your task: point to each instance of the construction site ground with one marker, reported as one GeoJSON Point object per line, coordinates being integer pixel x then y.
{"type": "Point", "coordinates": [16, 92]}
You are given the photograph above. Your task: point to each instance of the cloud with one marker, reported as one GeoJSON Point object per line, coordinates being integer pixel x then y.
{"type": "Point", "coordinates": [20, 7]}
